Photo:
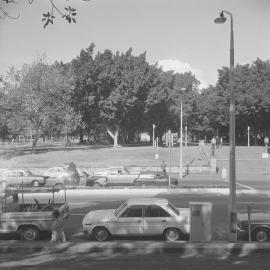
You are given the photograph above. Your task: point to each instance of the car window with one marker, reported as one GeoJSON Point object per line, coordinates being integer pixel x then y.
{"type": "Point", "coordinates": [27, 173]}
{"type": "Point", "coordinates": [12, 174]}
{"type": "Point", "coordinates": [133, 211]}
{"type": "Point", "coordinates": [125, 171]}
{"type": "Point", "coordinates": [155, 211]}
{"type": "Point", "coordinates": [120, 208]}
{"type": "Point", "coordinates": [173, 208]}
{"type": "Point", "coordinates": [113, 171]}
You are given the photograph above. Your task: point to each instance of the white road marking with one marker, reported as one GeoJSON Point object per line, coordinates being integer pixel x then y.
{"type": "Point", "coordinates": [246, 186]}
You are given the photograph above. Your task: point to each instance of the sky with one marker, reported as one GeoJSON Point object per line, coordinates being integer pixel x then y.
{"type": "Point", "coordinates": [179, 35]}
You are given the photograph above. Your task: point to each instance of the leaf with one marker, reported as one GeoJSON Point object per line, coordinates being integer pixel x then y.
{"type": "Point", "coordinates": [74, 14]}
{"type": "Point", "coordinates": [43, 19]}
{"type": "Point", "coordinates": [73, 20]}
{"type": "Point", "coordinates": [66, 8]}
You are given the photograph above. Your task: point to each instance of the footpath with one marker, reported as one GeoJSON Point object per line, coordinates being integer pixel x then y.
{"type": "Point", "coordinates": [132, 247]}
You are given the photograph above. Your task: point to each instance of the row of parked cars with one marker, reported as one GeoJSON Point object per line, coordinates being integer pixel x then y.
{"type": "Point", "coordinates": [70, 175]}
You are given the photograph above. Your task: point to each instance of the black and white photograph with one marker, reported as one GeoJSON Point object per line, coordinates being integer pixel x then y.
{"type": "Point", "coordinates": [134, 134]}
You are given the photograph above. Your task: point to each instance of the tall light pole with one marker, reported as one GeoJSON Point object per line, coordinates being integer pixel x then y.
{"type": "Point", "coordinates": [154, 135]}
{"type": "Point", "coordinates": [248, 137]}
{"type": "Point", "coordinates": [185, 136]}
{"type": "Point", "coordinates": [181, 138]}
{"type": "Point", "coordinates": [232, 199]}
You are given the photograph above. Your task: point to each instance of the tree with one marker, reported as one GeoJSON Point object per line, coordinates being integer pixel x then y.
{"type": "Point", "coordinates": [67, 13]}
{"type": "Point", "coordinates": [125, 83]}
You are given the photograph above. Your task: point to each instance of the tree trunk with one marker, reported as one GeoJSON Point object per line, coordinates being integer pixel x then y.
{"type": "Point", "coordinates": [81, 137]}
{"type": "Point", "coordinates": [34, 144]}
{"type": "Point", "coordinates": [115, 135]}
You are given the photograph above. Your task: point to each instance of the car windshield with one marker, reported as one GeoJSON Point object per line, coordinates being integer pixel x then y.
{"type": "Point", "coordinates": [27, 173]}
{"type": "Point", "coordinates": [119, 209]}
{"type": "Point", "coordinates": [126, 170]}
{"type": "Point", "coordinates": [173, 208]}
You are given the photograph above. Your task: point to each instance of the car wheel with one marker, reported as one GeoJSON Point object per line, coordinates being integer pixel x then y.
{"type": "Point", "coordinates": [35, 183]}
{"type": "Point", "coordinates": [96, 185]}
{"type": "Point", "coordinates": [59, 185]}
{"type": "Point", "coordinates": [171, 234]}
{"type": "Point", "coordinates": [101, 234]}
{"type": "Point", "coordinates": [261, 235]}
{"type": "Point", "coordinates": [29, 233]}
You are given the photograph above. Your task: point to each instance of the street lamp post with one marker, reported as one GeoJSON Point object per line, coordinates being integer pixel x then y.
{"type": "Point", "coordinates": [181, 138]}
{"type": "Point", "coordinates": [185, 136]}
{"type": "Point", "coordinates": [154, 135]}
{"type": "Point", "coordinates": [248, 137]}
{"type": "Point", "coordinates": [232, 199]}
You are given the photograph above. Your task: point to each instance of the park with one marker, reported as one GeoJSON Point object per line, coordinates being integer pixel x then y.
{"type": "Point", "coordinates": [134, 134]}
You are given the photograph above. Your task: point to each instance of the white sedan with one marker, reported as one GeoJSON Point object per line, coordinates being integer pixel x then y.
{"type": "Point", "coordinates": [142, 216]}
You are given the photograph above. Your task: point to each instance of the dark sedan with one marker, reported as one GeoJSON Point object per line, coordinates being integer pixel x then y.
{"type": "Point", "coordinates": [154, 179]}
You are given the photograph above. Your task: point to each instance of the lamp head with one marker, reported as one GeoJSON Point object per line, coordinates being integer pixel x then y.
{"type": "Point", "coordinates": [220, 19]}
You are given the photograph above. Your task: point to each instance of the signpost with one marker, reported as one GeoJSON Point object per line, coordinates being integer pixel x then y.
{"type": "Point", "coordinates": [170, 143]}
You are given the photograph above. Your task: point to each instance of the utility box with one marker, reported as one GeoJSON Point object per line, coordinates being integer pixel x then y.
{"type": "Point", "coordinates": [200, 221]}
{"type": "Point", "coordinates": [213, 165]}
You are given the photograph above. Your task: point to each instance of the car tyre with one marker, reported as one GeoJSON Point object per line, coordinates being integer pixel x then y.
{"type": "Point", "coordinates": [171, 234]}
{"type": "Point", "coordinates": [261, 235]}
{"type": "Point", "coordinates": [29, 233]}
{"type": "Point", "coordinates": [101, 234]}
{"type": "Point", "coordinates": [35, 183]}
{"type": "Point", "coordinates": [96, 185]}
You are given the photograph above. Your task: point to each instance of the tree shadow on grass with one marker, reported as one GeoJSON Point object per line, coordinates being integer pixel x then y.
{"type": "Point", "coordinates": [11, 153]}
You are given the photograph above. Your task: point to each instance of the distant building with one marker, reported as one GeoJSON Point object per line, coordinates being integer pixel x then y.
{"type": "Point", "coordinates": [145, 137]}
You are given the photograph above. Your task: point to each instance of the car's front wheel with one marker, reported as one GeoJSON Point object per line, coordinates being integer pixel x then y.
{"type": "Point", "coordinates": [97, 185]}
{"type": "Point", "coordinates": [261, 235]}
{"type": "Point", "coordinates": [101, 234]}
{"type": "Point", "coordinates": [171, 234]}
{"type": "Point", "coordinates": [29, 233]}
{"type": "Point", "coordinates": [35, 183]}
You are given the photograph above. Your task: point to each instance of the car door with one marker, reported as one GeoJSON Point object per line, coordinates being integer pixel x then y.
{"type": "Point", "coordinates": [161, 179]}
{"type": "Point", "coordinates": [130, 222]}
{"type": "Point", "coordinates": [119, 177]}
{"type": "Point", "coordinates": [155, 220]}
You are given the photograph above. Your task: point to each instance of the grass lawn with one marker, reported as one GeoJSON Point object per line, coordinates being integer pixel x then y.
{"type": "Point", "coordinates": [248, 159]}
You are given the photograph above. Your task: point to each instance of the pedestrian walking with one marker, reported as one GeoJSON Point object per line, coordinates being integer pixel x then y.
{"type": "Point", "coordinates": [221, 142]}
{"type": "Point", "coordinates": [163, 166]}
{"type": "Point", "coordinates": [57, 227]}
{"type": "Point", "coordinates": [266, 142]}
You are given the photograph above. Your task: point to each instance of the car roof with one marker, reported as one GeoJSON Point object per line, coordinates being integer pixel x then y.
{"type": "Point", "coordinates": [147, 201]}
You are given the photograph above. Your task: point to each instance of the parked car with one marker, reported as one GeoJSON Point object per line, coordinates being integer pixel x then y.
{"type": "Point", "coordinates": [260, 226]}
{"type": "Point", "coordinates": [69, 174]}
{"type": "Point", "coordinates": [142, 216]}
{"type": "Point", "coordinates": [154, 179]}
{"type": "Point", "coordinates": [96, 181]}
{"type": "Point", "coordinates": [118, 176]}
{"type": "Point", "coordinates": [25, 177]}
{"type": "Point", "coordinates": [59, 176]}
